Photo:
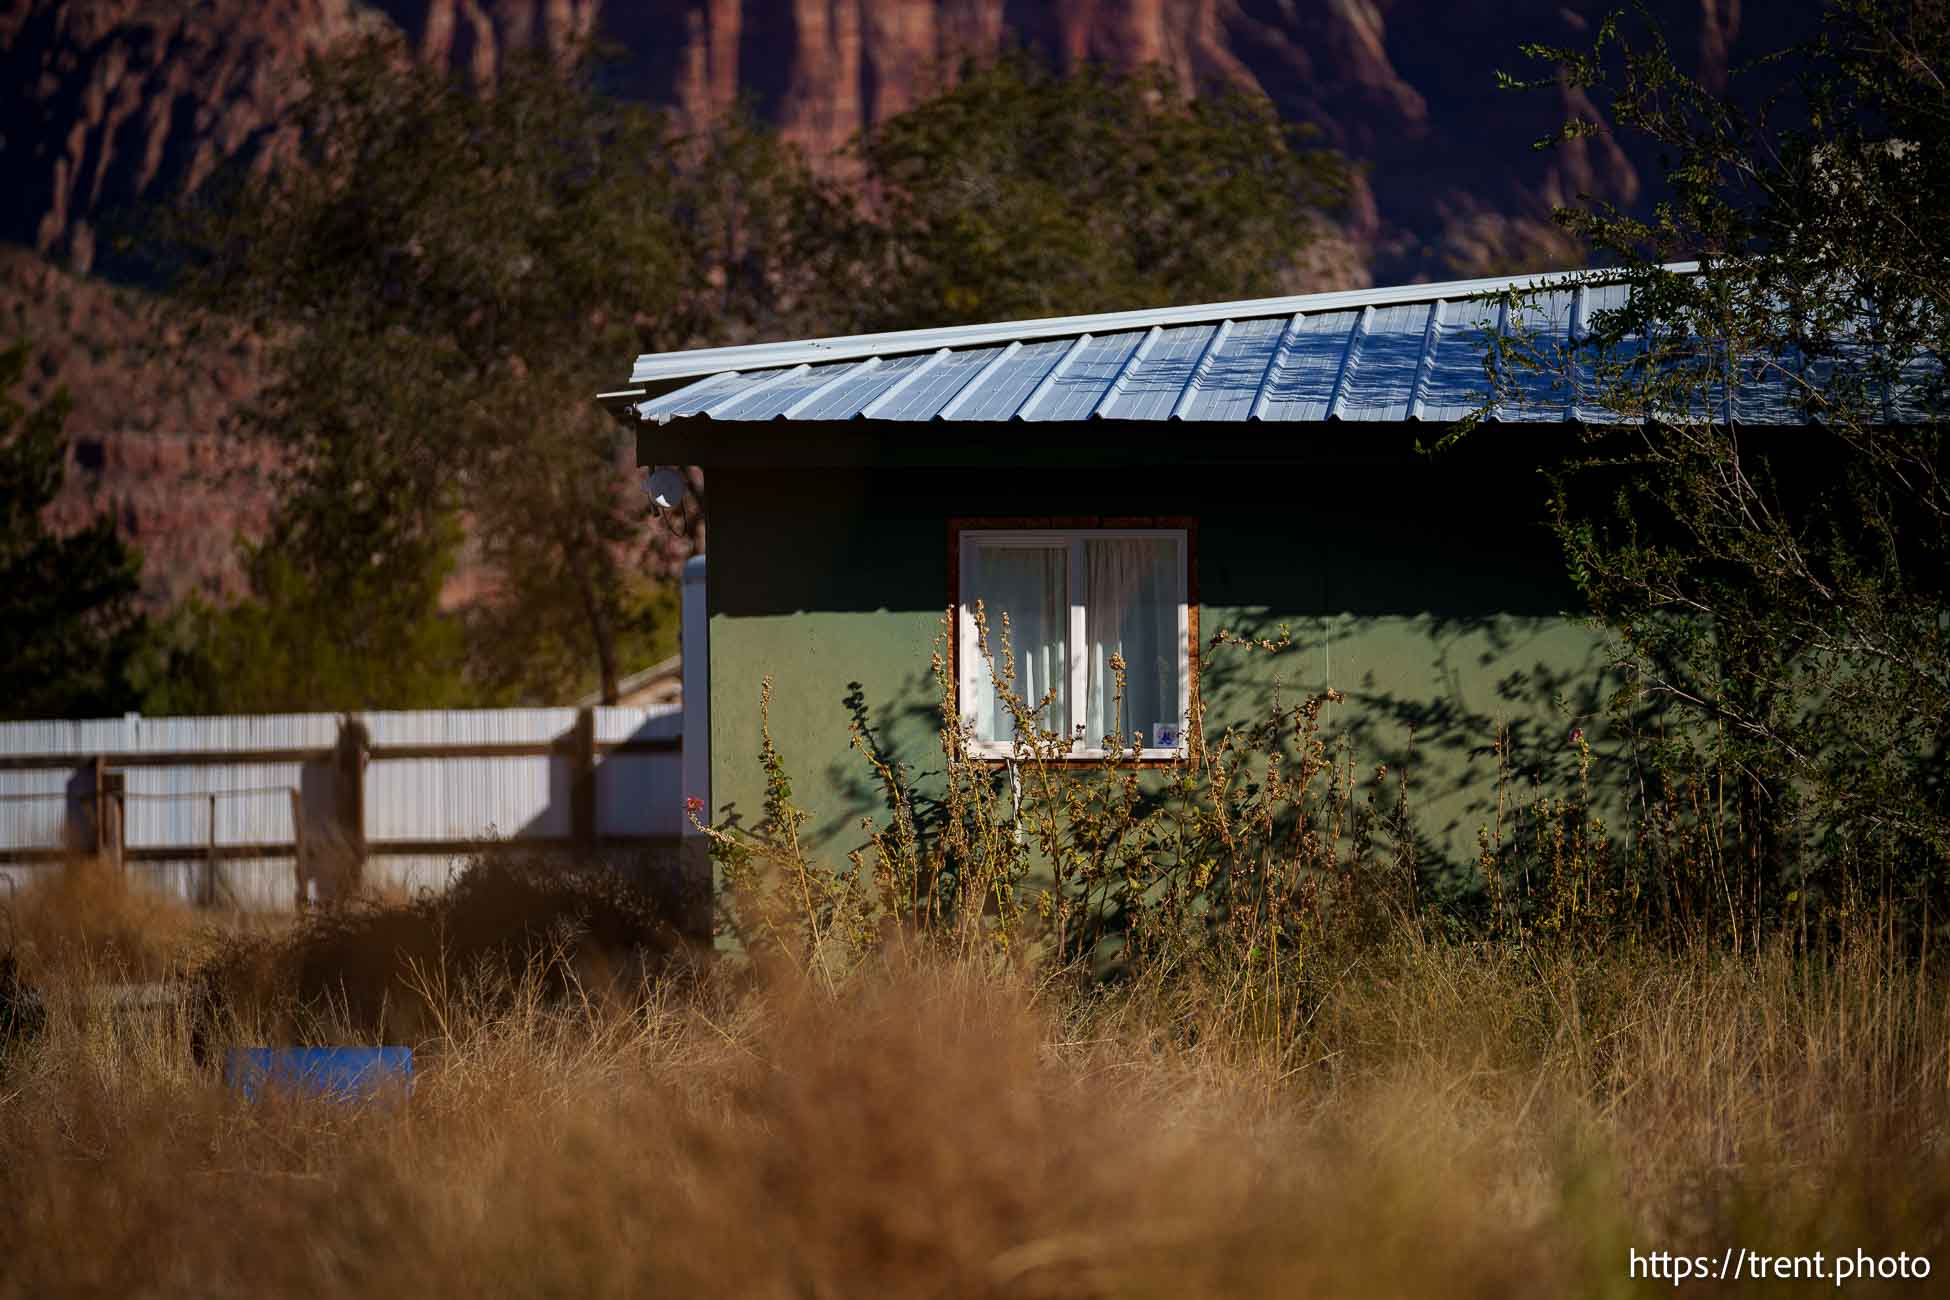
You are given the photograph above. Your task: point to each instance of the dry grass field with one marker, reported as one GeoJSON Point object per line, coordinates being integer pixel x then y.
{"type": "Point", "coordinates": [1448, 1120]}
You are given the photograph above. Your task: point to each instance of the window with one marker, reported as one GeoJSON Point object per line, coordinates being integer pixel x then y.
{"type": "Point", "coordinates": [1074, 598]}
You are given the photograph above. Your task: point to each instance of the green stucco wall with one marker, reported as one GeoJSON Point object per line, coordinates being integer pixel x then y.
{"type": "Point", "coordinates": [1428, 592]}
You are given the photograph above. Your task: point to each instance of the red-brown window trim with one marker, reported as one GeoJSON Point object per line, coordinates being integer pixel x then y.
{"type": "Point", "coordinates": [1188, 524]}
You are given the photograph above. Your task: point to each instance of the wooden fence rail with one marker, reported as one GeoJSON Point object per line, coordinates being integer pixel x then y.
{"type": "Point", "coordinates": [259, 812]}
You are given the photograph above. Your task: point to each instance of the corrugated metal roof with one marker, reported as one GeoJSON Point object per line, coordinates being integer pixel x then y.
{"type": "Point", "coordinates": [666, 676]}
{"type": "Point", "coordinates": [1416, 353]}
{"type": "Point", "coordinates": [1412, 353]}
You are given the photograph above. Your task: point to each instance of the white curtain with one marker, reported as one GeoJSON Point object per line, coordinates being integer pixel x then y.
{"type": "Point", "coordinates": [1131, 608]}
{"type": "Point", "coordinates": [1031, 585]}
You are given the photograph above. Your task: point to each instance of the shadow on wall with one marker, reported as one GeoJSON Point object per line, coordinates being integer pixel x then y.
{"type": "Point", "coordinates": [1480, 714]}
{"type": "Point", "coordinates": [1416, 587]}
{"type": "Point", "coordinates": [431, 792]}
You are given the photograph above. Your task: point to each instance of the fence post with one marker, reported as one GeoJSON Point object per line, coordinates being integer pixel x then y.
{"type": "Point", "coordinates": [117, 784]}
{"type": "Point", "coordinates": [582, 784]}
{"type": "Point", "coordinates": [100, 809]}
{"type": "Point", "coordinates": [354, 741]}
{"type": "Point", "coordinates": [210, 865]}
{"type": "Point", "coordinates": [96, 810]}
{"type": "Point", "coordinates": [108, 813]}
{"type": "Point", "coordinates": [298, 846]}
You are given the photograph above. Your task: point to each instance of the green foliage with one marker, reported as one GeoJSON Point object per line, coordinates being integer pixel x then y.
{"type": "Point", "coordinates": [779, 899]}
{"type": "Point", "coordinates": [450, 276]}
{"type": "Point", "coordinates": [1780, 597]}
{"type": "Point", "coordinates": [1225, 864]}
{"type": "Point", "coordinates": [449, 273]}
{"type": "Point", "coordinates": [1255, 872]}
{"type": "Point", "coordinates": [1020, 193]}
{"type": "Point", "coordinates": [371, 640]}
{"type": "Point", "coordinates": [72, 640]}
{"type": "Point", "coordinates": [546, 658]}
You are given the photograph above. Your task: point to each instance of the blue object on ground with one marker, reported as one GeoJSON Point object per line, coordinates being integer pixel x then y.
{"type": "Point", "coordinates": [333, 1073]}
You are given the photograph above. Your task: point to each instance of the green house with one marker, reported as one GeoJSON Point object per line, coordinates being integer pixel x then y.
{"type": "Point", "coordinates": [1138, 483]}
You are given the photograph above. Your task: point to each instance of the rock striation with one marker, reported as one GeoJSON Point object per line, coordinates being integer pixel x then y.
{"type": "Point", "coordinates": [105, 102]}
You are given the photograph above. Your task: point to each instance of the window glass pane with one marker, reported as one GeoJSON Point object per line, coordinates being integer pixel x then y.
{"type": "Point", "coordinates": [1131, 608]}
{"type": "Point", "coordinates": [1031, 585]}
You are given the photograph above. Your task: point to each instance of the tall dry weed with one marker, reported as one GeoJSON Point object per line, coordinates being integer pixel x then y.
{"type": "Point", "coordinates": [1476, 1122]}
{"type": "Point", "coordinates": [1300, 1076]}
{"type": "Point", "coordinates": [87, 914]}
{"type": "Point", "coordinates": [376, 970]}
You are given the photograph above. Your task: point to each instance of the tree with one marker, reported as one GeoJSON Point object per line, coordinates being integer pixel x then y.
{"type": "Point", "coordinates": [72, 636]}
{"type": "Point", "coordinates": [1781, 601]}
{"type": "Point", "coordinates": [376, 640]}
{"type": "Point", "coordinates": [451, 273]}
{"type": "Point", "coordinates": [1020, 193]}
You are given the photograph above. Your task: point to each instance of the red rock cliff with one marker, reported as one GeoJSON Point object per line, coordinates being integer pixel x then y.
{"type": "Point", "coordinates": [107, 101]}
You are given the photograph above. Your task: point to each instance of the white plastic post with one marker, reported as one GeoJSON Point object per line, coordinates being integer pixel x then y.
{"type": "Point", "coordinates": [696, 647]}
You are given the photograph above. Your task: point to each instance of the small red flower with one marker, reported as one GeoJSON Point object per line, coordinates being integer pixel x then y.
{"type": "Point", "coordinates": [1577, 735]}
{"type": "Point", "coordinates": [694, 804]}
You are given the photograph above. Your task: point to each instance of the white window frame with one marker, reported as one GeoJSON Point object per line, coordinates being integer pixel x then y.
{"type": "Point", "coordinates": [971, 667]}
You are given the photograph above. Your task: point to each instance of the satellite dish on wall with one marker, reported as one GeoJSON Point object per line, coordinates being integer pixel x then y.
{"type": "Point", "coordinates": [666, 487]}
